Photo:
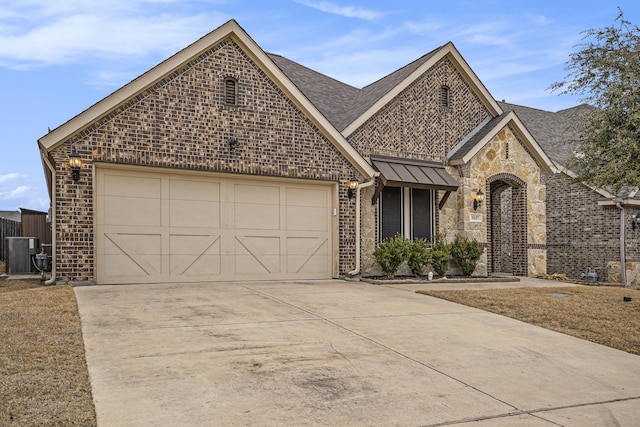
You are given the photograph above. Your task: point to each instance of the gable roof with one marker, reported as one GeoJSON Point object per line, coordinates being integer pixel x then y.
{"type": "Point", "coordinates": [468, 148]}
{"type": "Point", "coordinates": [378, 94]}
{"type": "Point", "coordinates": [348, 107]}
{"type": "Point", "coordinates": [551, 130]}
{"type": "Point", "coordinates": [231, 30]}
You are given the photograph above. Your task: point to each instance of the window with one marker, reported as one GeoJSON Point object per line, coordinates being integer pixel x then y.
{"type": "Point", "coordinates": [230, 85]}
{"type": "Point", "coordinates": [406, 211]}
{"type": "Point", "coordinates": [445, 97]}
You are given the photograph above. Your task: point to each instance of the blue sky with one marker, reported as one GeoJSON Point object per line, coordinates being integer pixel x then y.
{"type": "Point", "coordinates": [59, 57]}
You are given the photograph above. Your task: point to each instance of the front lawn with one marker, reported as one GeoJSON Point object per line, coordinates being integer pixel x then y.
{"type": "Point", "coordinates": [594, 313]}
{"type": "Point", "coordinates": [43, 373]}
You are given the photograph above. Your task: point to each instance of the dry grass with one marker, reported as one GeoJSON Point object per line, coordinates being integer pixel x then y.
{"type": "Point", "coordinates": [597, 314]}
{"type": "Point", "coordinates": [43, 372]}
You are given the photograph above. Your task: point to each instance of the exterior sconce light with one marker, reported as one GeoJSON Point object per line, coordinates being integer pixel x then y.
{"type": "Point", "coordinates": [478, 198]}
{"type": "Point", "coordinates": [635, 221]}
{"type": "Point", "coordinates": [74, 163]}
{"type": "Point", "coordinates": [352, 187]}
{"type": "Point", "coordinates": [233, 143]}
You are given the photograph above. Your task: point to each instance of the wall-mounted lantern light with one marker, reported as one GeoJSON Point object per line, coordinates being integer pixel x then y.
{"type": "Point", "coordinates": [74, 163]}
{"type": "Point", "coordinates": [352, 187]}
{"type": "Point", "coordinates": [635, 221]}
{"type": "Point", "coordinates": [233, 143]}
{"type": "Point", "coordinates": [478, 198]}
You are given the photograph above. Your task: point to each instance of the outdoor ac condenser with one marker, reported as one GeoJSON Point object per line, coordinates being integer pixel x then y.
{"type": "Point", "coordinates": [19, 251]}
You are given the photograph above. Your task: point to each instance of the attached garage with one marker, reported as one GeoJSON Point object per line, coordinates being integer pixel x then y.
{"type": "Point", "coordinates": [157, 226]}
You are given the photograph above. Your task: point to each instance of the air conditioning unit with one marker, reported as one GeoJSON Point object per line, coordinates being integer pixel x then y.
{"type": "Point", "coordinates": [19, 251]}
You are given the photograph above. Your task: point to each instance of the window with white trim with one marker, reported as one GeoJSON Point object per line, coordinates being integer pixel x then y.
{"type": "Point", "coordinates": [406, 211]}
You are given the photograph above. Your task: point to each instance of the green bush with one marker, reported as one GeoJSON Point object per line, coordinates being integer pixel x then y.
{"type": "Point", "coordinates": [440, 255]}
{"type": "Point", "coordinates": [418, 256]}
{"type": "Point", "coordinates": [466, 252]}
{"type": "Point", "coordinates": [391, 253]}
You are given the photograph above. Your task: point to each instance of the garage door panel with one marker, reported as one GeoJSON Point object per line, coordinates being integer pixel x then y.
{"type": "Point", "coordinates": [194, 213]}
{"type": "Point", "coordinates": [259, 194]}
{"type": "Point", "coordinates": [250, 216]}
{"type": "Point", "coordinates": [305, 254]}
{"type": "Point", "coordinates": [161, 227]}
{"type": "Point", "coordinates": [132, 255]}
{"type": "Point", "coordinates": [307, 218]}
{"type": "Point", "coordinates": [132, 211]}
{"type": "Point", "coordinates": [255, 254]}
{"type": "Point", "coordinates": [195, 255]}
{"type": "Point", "coordinates": [301, 196]}
{"type": "Point", "coordinates": [132, 185]}
{"type": "Point", "coordinates": [194, 189]}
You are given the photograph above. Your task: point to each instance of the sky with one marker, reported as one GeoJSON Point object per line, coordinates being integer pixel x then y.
{"type": "Point", "coordinates": [59, 57]}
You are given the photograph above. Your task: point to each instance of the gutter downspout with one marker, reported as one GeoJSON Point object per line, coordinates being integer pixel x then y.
{"type": "Point", "coordinates": [623, 257]}
{"type": "Point", "coordinates": [52, 280]}
{"type": "Point", "coordinates": [358, 214]}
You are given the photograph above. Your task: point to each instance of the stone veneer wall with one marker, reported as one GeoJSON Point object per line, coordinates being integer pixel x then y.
{"type": "Point", "coordinates": [182, 122]}
{"type": "Point", "coordinates": [505, 159]}
{"type": "Point", "coordinates": [413, 125]}
{"type": "Point", "coordinates": [581, 234]}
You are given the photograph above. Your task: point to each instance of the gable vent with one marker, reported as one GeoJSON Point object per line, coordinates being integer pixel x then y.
{"type": "Point", "coordinates": [445, 97]}
{"type": "Point", "coordinates": [230, 89]}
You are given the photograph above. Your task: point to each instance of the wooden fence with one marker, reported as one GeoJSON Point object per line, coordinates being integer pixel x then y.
{"type": "Point", "coordinates": [8, 228]}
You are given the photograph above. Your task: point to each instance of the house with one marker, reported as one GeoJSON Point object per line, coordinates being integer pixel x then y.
{"type": "Point", "coordinates": [226, 163]}
{"type": "Point", "coordinates": [583, 223]}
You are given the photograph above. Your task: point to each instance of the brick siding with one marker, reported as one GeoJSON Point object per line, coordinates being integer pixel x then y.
{"type": "Point", "coordinates": [413, 125]}
{"type": "Point", "coordinates": [580, 233]}
{"type": "Point", "coordinates": [183, 122]}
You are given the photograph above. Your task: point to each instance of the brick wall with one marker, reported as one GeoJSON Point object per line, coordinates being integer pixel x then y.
{"type": "Point", "coordinates": [182, 122]}
{"type": "Point", "coordinates": [580, 233]}
{"type": "Point", "coordinates": [413, 125]}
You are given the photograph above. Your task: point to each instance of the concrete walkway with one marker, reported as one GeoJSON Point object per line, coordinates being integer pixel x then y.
{"type": "Point", "coordinates": [338, 353]}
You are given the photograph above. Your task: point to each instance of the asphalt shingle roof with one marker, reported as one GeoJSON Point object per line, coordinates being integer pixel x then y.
{"type": "Point", "coordinates": [551, 130]}
{"type": "Point", "coordinates": [339, 102]}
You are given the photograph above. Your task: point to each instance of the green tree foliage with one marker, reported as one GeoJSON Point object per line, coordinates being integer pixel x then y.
{"type": "Point", "coordinates": [606, 72]}
{"type": "Point", "coordinates": [466, 252]}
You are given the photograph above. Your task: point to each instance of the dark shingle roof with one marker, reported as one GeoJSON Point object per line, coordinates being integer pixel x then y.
{"type": "Point", "coordinates": [332, 97]}
{"type": "Point", "coordinates": [339, 102]}
{"type": "Point", "coordinates": [551, 130]}
{"type": "Point", "coordinates": [370, 94]}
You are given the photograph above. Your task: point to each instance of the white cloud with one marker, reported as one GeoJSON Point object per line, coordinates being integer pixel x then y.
{"type": "Point", "coordinates": [39, 33]}
{"type": "Point", "coordinates": [9, 177]}
{"type": "Point", "coordinates": [16, 193]}
{"type": "Point", "coordinates": [346, 11]}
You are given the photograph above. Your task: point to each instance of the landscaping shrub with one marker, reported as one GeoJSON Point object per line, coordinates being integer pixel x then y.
{"type": "Point", "coordinates": [440, 255]}
{"type": "Point", "coordinates": [391, 253]}
{"type": "Point", "coordinates": [466, 252]}
{"type": "Point", "coordinates": [418, 256]}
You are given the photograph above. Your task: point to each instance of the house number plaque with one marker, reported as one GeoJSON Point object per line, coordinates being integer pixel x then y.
{"type": "Point", "coordinates": [475, 217]}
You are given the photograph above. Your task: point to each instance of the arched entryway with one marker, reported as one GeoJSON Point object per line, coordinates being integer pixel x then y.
{"type": "Point", "coordinates": [507, 225]}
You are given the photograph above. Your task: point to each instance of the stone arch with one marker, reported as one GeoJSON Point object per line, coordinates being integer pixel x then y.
{"type": "Point", "coordinates": [507, 224]}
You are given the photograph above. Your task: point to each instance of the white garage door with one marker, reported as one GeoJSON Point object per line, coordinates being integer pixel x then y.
{"type": "Point", "coordinates": [160, 227]}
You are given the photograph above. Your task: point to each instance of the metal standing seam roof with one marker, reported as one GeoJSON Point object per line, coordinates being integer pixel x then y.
{"type": "Point", "coordinates": [395, 172]}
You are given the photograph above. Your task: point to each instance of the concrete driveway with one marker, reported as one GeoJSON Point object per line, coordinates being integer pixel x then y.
{"type": "Point", "coordinates": [338, 353]}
